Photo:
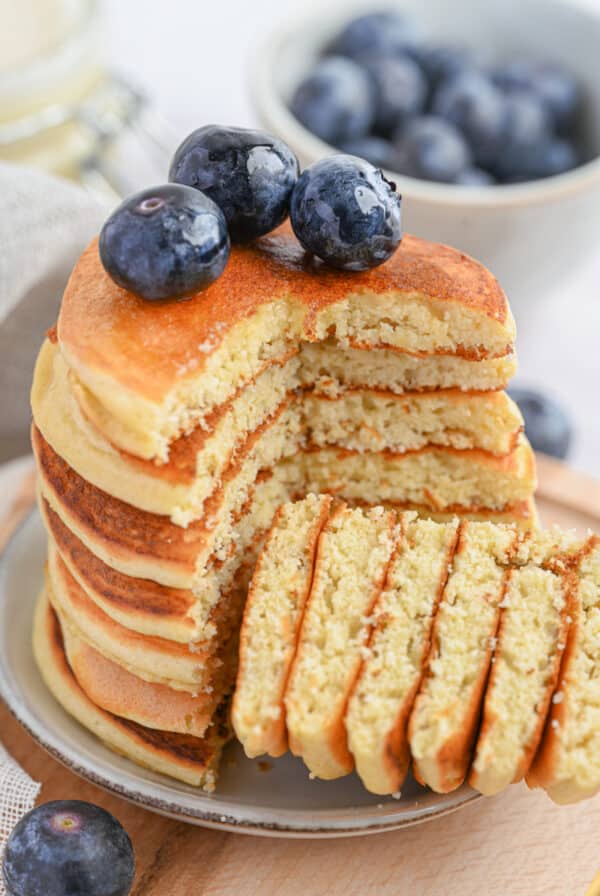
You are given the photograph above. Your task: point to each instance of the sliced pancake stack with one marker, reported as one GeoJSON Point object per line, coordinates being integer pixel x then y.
{"type": "Point", "coordinates": [167, 435]}
{"type": "Point", "coordinates": [469, 650]}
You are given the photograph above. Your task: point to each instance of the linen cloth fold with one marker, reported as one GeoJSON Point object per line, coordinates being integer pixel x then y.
{"type": "Point", "coordinates": [45, 223]}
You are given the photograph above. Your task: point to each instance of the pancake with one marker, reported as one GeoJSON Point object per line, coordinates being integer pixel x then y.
{"type": "Point", "coordinates": [328, 369]}
{"type": "Point", "coordinates": [438, 479]}
{"type": "Point", "coordinates": [567, 764]}
{"type": "Point", "coordinates": [358, 419]}
{"type": "Point", "coordinates": [149, 657]}
{"type": "Point", "coordinates": [123, 694]}
{"type": "Point", "coordinates": [444, 720]}
{"type": "Point", "coordinates": [155, 369]}
{"type": "Point", "coordinates": [353, 554]}
{"type": "Point", "coordinates": [272, 617]}
{"type": "Point", "coordinates": [382, 699]}
{"type": "Point", "coordinates": [370, 420]}
{"type": "Point", "coordinates": [189, 759]}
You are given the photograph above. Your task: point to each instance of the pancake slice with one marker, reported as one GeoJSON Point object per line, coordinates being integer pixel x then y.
{"type": "Point", "coordinates": [272, 618]}
{"type": "Point", "coordinates": [443, 723]}
{"type": "Point", "coordinates": [353, 555]}
{"type": "Point", "coordinates": [567, 764]}
{"type": "Point", "coordinates": [183, 757]}
{"type": "Point", "coordinates": [382, 699]}
{"type": "Point", "coordinates": [374, 420]}
{"type": "Point", "coordinates": [531, 639]}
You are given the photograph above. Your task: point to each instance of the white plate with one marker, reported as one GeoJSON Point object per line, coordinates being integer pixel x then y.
{"type": "Point", "coordinates": [279, 800]}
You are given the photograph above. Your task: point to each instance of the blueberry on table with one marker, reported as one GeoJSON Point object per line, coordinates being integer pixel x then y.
{"type": "Point", "coordinates": [476, 107]}
{"type": "Point", "coordinates": [68, 848]}
{"type": "Point", "coordinates": [383, 31]}
{"type": "Point", "coordinates": [432, 149]}
{"type": "Point", "coordinates": [557, 88]}
{"type": "Point", "coordinates": [345, 212]}
{"type": "Point", "coordinates": [248, 174]}
{"type": "Point", "coordinates": [335, 101]}
{"type": "Point", "coordinates": [400, 90]}
{"type": "Point", "coordinates": [547, 426]}
{"type": "Point", "coordinates": [165, 242]}
{"type": "Point", "coordinates": [376, 150]}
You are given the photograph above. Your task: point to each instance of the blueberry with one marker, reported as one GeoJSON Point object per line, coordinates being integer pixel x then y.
{"type": "Point", "coordinates": [557, 88]}
{"type": "Point", "coordinates": [335, 101]}
{"type": "Point", "coordinates": [346, 212]}
{"type": "Point", "coordinates": [547, 159]}
{"type": "Point", "coordinates": [547, 426]}
{"type": "Point", "coordinates": [441, 63]}
{"type": "Point", "coordinates": [433, 149]}
{"type": "Point", "coordinates": [68, 848]}
{"type": "Point", "coordinates": [384, 31]}
{"type": "Point", "coordinates": [400, 90]}
{"type": "Point", "coordinates": [525, 129]}
{"type": "Point", "coordinates": [249, 174]}
{"type": "Point", "coordinates": [476, 107]}
{"type": "Point", "coordinates": [165, 242]}
{"type": "Point", "coordinates": [474, 177]}
{"type": "Point", "coordinates": [376, 150]}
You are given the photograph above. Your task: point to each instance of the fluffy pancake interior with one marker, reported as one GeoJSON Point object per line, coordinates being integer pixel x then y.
{"type": "Point", "coordinates": [274, 608]}
{"type": "Point", "coordinates": [380, 704]}
{"type": "Point", "coordinates": [352, 558]}
{"type": "Point", "coordinates": [444, 718]}
{"type": "Point", "coordinates": [530, 641]}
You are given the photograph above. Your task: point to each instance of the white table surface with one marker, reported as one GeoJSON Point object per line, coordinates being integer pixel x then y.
{"type": "Point", "coordinates": [193, 59]}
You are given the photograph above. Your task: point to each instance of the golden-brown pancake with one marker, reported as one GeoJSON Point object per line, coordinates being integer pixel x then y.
{"type": "Point", "coordinates": [186, 758]}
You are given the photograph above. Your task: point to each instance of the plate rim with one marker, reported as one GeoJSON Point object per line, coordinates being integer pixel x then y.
{"type": "Point", "coordinates": [141, 792]}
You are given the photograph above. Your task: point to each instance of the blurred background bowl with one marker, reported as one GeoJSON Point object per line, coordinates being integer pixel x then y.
{"type": "Point", "coordinates": [530, 235]}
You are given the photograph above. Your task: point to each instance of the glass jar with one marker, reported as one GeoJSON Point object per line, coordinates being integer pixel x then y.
{"type": "Point", "coordinates": [63, 110]}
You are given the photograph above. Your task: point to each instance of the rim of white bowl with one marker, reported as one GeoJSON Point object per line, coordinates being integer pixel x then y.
{"type": "Point", "coordinates": [275, 115]}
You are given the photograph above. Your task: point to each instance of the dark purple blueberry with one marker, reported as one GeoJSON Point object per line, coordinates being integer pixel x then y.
{"type": "Point", "coordinates": [376, 150]}
{"type": "Point", "coordinates": [400, 90]}
{"type": "Point", "coordinates": [165, 242]}
{"type": "Point", "coordinates": [432, 149]}
{"type": "Point", "coordinates": [547, 426]}
{"type": "Point", "coordinates": [558, 89]}
{"type": "Point", "coordinates": [68, 848]}
{"type": "Point", "coordinates": [335, 101]}
{"type": "Point", "coordinates": [474, 177]}
{"type": "Point", "coordinates": [476, 107]}
{"type": "Point", "coordinates": [345, 212]}
{"type": "Point", "coordinates": [383, 32]}
{"type": "Point", "coordinates": [525, 130]}
{"type": "Point", "coordinates": [549, 158]}
{"type": "Point", "coordinates": [249, 174]}
{"type": "Point", "coordinates": [441, 63]}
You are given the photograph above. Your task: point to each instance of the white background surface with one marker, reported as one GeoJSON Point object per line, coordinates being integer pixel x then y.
{"type": "Point", "coordinates": [192, 56]}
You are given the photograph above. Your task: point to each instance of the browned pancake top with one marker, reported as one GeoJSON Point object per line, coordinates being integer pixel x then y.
{"type": "Point", "coordinates": [111, 330]}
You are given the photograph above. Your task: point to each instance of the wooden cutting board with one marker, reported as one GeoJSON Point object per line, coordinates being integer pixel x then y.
{"type": "Point", "coordinates": [517, 844]}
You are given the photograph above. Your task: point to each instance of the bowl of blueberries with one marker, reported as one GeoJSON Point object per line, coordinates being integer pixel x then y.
{"type": "Point", "coordinates": [486, 115]}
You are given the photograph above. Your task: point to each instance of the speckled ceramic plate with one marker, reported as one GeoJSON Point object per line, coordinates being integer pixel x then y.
{"type": "Point", "coordinates": [274, 798]}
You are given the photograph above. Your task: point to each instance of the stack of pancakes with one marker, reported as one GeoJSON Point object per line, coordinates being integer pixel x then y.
{"type": "Point", "coordinates": [375, 641]}
{"type": "Point", "coordinates": [168, 434]}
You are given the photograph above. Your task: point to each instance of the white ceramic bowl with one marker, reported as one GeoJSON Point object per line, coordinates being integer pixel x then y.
{"type": "Point", "coordinates": [530, 235]}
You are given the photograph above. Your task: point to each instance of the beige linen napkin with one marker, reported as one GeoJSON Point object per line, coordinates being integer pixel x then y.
{"type": "Point", "coordinates": [44, 225]}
